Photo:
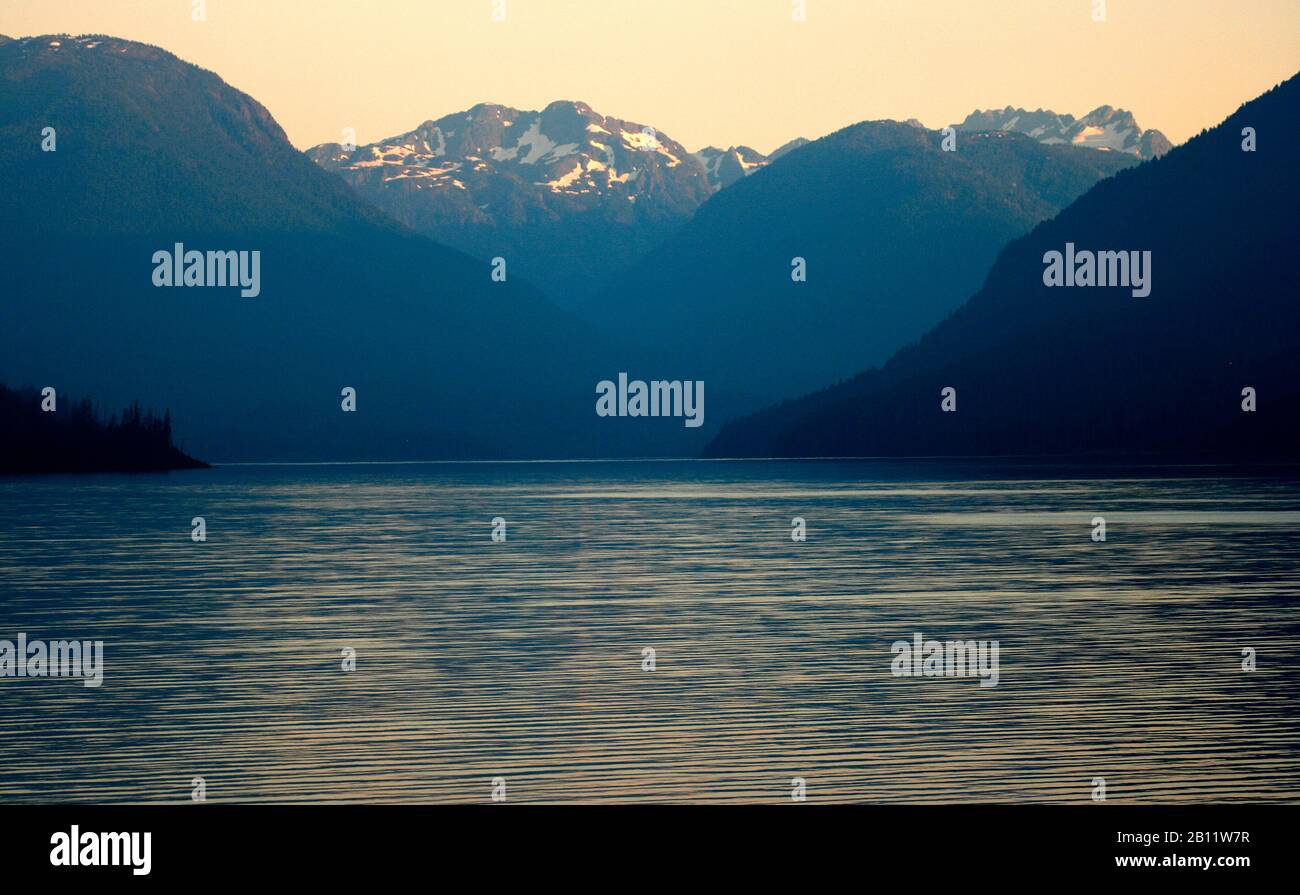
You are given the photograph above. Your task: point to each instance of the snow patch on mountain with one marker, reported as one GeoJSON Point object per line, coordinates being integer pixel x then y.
{"type": "Point", "coordinates": [1104, 128]}
{"type": "Point", "coordinates": [519, 166]}
{"type": "Point", "coordinates": [726, 166]}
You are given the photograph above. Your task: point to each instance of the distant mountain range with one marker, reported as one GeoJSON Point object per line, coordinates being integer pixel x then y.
{"type": "Point", "coordinates": [570, 197]}
{"type": "Point", "coordinates": [1104, 128]}
{"type": "Point", "coordinates": [764, 277]}
{"type": "Point", "coordinates": [893, 231]}
{"type": "Point", "coordinates": [565, 195]}
{"type": "Point", "coordinates": [1044, 369]}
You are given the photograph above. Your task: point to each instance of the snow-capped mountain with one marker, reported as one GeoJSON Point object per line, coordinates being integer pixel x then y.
{"type": "Point", "coordinates": [566, 154]}
{"type": "Point", "coordinates": [725, 166]}
{"type": "Point", "coordinates": [1105, 128]}
{"type": "Point", "coordinates": [565, 192]}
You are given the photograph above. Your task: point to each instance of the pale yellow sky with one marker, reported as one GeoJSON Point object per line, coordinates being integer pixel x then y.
{"type": "Point", "coordinates": [710, 71]}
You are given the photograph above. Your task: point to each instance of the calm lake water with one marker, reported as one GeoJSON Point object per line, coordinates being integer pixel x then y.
{"type": "Point", "coordinates": [523, 659]}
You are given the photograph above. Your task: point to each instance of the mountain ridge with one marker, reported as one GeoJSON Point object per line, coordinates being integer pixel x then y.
{"type": "Point", "coordinates": [863, 208]}
{"type": "Point", "coordinates": [1105, 128]}
{"type": "Point", "coordinates": [153, 151]}
{"type": "Point", "coordinates": [726, 166]}
{"type": "Point", "coordinates": [1042, 371]}
{"type": "Point", "coordinates": [564, 194]}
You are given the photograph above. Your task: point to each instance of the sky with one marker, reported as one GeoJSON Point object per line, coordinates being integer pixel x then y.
{"type": "Point", "coordinates": [721, 72]}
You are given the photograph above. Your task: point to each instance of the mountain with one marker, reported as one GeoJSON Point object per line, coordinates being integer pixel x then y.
{"type": "Point", "coordinates": [565, 195]}
{"type": "Point", "coordinates": [152, 152]}
{"type": "Point", "coordinates": [895, 233]}
{"type": "Point", "coordinates": [725, 166]}
{"type": "Point", "coordinates": [1104, 128]}
{"type": "Point", "coordinates": [1042, 369]}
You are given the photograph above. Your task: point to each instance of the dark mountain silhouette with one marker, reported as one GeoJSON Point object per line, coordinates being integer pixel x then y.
{"type": "Point", "coordinates": [1095, 370]}
{"type": "Point", "coordinates": [73, 437]}
{"type": "Point", "coordinates": [895, 231]}
{"type": "Point", "coordinates": [152, 151]}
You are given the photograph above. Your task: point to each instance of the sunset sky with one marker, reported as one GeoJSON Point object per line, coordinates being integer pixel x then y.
{"type": "Point", "coordinates": [710, 71]}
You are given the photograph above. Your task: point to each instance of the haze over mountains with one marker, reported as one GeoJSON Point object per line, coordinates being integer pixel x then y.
{"type": "Point", "coordinates": [153, 151]}
{"type": "Point", "coordinates": [678, 266]}
{"type": "Point", "coordinates": [895, 233]}
{"type": "Point", "coordinates": [1040, 369]}
{"type": "Point", "coordinates": [606, 214]}
{"type": "Point", "coordinates": [572, 197]}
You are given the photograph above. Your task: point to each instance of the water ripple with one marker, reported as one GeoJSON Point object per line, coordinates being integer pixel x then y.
{"type": "Point", "coordinates": [522, 659]}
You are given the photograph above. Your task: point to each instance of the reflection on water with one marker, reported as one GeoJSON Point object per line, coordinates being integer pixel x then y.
{"type": "Point", "coordinates": [477, 659]}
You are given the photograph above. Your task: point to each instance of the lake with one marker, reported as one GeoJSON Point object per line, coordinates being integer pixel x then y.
{"type": "Point", "coordinates": [525, 659]}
